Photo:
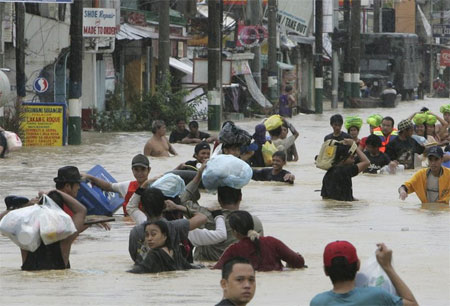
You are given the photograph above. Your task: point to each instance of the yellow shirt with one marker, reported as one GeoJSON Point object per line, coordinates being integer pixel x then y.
{"type": "Point", "coordinates": [418, 184]}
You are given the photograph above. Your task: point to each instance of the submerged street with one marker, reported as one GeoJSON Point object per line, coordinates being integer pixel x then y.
{"type": "Point", "coordinates": [295, 214]}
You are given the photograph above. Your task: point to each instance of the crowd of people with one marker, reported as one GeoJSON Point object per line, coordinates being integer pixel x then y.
{"type": "Point", "coordinates": [174, 231]}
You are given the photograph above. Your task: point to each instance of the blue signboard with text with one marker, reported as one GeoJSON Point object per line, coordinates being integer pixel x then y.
{"type": "Point", "coordinates": [441, 30]}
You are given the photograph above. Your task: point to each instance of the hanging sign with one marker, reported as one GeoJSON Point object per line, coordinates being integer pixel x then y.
{"type": "Point", "coordinates": [293, 16]}
{"type": "Point", "coordinates": [441, 30]}
{"type": "Point", "coordinates": [43, 124]}
{"type": "Point", "coordinates": [251, 36]}
{"type": "Point", "coordinates": [99, 22]}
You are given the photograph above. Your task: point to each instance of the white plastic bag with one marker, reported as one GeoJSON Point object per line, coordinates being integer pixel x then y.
{"type": "Point", "coordinates": [13, 141]}
{"type": "Point", "coordinates": [55, 224]}
{"type": "Point", "coordinates": [372, 274]}
{"type": "Point", "coordinates": [170, 184]}
{"type": "Point", "coordinates": [226, 170]}
{"type": "Point", "coordinates": [22, 227]}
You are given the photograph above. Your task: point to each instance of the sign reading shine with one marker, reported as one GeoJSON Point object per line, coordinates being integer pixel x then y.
{"type": "Point", "coordinates": [441, 30]}
{"type": "Point", "coordinates": [99, 22]}
{"type": "Point", "coordinates": [43, 124]}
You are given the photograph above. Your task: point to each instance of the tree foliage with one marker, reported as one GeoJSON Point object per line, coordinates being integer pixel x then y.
{"type": "Point", "coordinates": [164, 104]}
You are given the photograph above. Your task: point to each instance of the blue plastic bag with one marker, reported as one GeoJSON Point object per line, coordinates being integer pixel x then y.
{"type": "Point", "coordinates": [170, 184]}
{"type": "Point", "coordinates": [226, 170]}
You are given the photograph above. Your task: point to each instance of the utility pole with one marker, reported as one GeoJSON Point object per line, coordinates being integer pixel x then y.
{"type": "Point", "coordinates": [214, 64]}
{"type": "Point", "coordinates": [335, 58]}
{"type": "Point", "coordinates": [347, 69]}
{"type": "Point", "coordinates": [76, 72]}
{"type": "Point", "coordinates": [2, 49]}
{"type": "Point", "coordinates": [2, 52]}
{"type": "Point", "coordinates": [254, 11]}
{"type": "Point", "coordinates": [376, 16]}
{"type": "Point", "coordinates": [20, 51]}
{"type": "Point", "coordinates": [356, 38]}
{"type": "Point", "coordinates": [318, 81]}
{"type": "Point", "coordinates": [431, 52]}
{"type": "Point", "coordinates": [164, 41]}
{"type": "Point", "coordinates": [272, 52]}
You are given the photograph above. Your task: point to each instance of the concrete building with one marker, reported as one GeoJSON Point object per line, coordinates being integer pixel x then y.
{"type": "Point", "coordinates": [47, 42]}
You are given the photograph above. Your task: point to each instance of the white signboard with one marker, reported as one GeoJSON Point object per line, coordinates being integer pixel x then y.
{"type": "Point", "coordinates": [295, 15]}
{"type": "Point", "coordinates": [99, 22]}
{"type": "Point", "coordinates": [201, 71]}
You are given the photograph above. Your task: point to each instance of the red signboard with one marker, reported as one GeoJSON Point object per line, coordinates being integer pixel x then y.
{"type": "Point", "coordinates": [251, 36]}
{"type": "Point", "coordinates": [445, 58]}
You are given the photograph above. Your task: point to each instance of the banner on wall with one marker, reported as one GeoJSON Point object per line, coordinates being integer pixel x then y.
{"type": "Point", "coordinates": [43, 124]}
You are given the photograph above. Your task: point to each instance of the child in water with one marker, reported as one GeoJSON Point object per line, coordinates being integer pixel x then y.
{"type": "Point", "coordinates": [276, 173]}
{"type": "Point", "coordinates": [377, 159]}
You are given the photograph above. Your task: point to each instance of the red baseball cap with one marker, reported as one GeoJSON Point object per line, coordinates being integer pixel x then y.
{"type": "Point", "coordinates": [339, 249]}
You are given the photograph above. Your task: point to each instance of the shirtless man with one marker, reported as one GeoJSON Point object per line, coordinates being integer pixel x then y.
{"type": "Point", "coordinates": [158, 145]}
{"type": "Point", "coordinates": [2, 143]}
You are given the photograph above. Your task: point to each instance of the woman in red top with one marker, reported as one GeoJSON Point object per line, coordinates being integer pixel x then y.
{"type": "Point", "coordinates": [264, 253]}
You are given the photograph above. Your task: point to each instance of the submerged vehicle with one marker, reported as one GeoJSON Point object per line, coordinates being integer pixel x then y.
{"type": "Point", "coordinates": [391, 57]}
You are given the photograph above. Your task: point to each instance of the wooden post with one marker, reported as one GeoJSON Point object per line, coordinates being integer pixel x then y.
{"type": "Point", "coordinates": [76, 72]}
{"type": "Point", "coordinates": [164, 41]}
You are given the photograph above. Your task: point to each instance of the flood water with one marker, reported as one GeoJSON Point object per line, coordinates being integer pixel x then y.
{"type": "Point", "coordinates": [419, 236]}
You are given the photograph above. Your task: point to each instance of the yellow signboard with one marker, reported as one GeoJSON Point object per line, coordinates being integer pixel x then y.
{"type": "Point", "coordinates": [43, 124]}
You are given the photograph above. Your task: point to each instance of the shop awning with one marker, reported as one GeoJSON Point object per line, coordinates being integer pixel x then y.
{"type": "Point", "coordinates": [255, 91]}
{"type": "Point", "coordinates": [284, 66]}
{"type": "Point", "coordinates": [179, 65]}
{"type": "Point", "coordinates": [135, 32]}
{"type": "Point", "coordinates": [302, 39]}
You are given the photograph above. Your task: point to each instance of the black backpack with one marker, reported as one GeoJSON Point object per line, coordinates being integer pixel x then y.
{"type": "Point", "coordinates": [233, 135]}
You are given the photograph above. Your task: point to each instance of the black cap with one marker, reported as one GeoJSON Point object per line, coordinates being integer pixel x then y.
{"type": "Point", "coordinates": [140, 160]}
{"type": "Point", "coordinates": [201, 146]}
{"type": "Point", "coordinates": [13, 202]}
{"type": "Point", "coordinates": [435, 151]}
{"type": "Point", "coordinates": [68, 174]}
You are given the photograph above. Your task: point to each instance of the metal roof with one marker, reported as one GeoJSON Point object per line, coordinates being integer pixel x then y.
{"type": "Point", "coordinates": [135, 32]}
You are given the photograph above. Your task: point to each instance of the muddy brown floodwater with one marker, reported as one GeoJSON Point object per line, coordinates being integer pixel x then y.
{"type": "Point", "coordinates": [419, 236]}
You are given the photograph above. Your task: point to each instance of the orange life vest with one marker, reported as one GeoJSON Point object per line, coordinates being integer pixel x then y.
{"type": "Point", "coordinates": [384, 140]}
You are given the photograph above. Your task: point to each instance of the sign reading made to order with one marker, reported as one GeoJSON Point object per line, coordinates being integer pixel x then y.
{"type": "Point", "coordinates": [43, 124]}
{"type": "Point", "coordinates": [99, 22]}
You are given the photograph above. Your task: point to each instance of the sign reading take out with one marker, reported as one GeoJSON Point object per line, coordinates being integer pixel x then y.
{"type": "Point", "coordinates": [294, 15]}
{"type": "Point", "coordinates": [99, 22]}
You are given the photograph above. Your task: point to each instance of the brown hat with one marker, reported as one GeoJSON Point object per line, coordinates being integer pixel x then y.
{"type": "Point", "coordinates": [68, 174]}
